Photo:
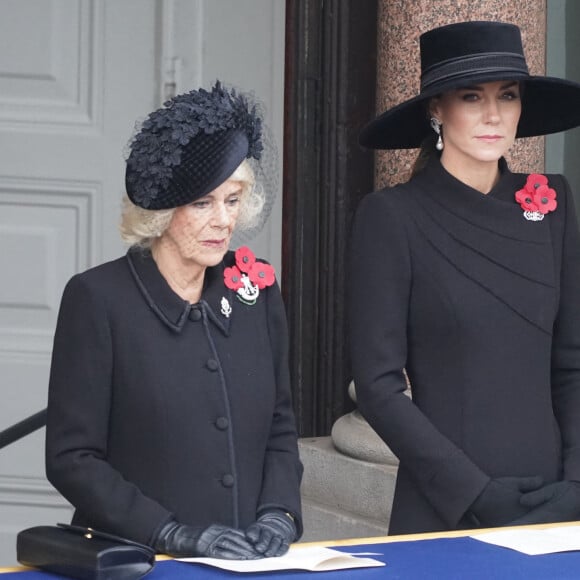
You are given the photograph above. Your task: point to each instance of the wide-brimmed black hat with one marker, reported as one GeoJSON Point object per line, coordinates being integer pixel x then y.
{"type": "Point", "coordinates": [190, 146]}
{"type": "Point", "coordinates": [468, 53]}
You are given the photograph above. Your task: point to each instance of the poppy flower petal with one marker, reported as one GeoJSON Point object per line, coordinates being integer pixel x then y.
{"type": "Point", "coordinates": [245, 258]}
{"type": "Point", "coordinates": [262, 275]}
{"type": "Point", "coordinates": [233, 278]}
{"type": "Point", "coordinates": [535, 180]}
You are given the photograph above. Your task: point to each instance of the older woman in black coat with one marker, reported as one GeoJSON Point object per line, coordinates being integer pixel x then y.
{"type": "Point", "coordinates": [468, 277]}
{"type": "Point", "coordinates": [169, 417]}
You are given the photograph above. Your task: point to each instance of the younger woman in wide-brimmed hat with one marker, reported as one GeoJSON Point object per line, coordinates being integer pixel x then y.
{"type": "Point", "coordinates": [467, 277]}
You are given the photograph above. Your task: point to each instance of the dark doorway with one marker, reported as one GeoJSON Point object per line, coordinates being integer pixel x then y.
{"type": "Point", "coordinates": [329, 95]}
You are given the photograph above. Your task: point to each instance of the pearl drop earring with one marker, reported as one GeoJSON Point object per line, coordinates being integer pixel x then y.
{"type": "Point", "coordinates": [436, 126]}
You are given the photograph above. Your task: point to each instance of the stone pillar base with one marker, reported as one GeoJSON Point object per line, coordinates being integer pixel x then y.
{"type": "Point", "coordinates": [343, 497]}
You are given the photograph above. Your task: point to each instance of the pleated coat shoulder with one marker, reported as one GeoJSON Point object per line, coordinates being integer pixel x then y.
{"type": "Point", "coordinates": [482, 309]}
{"type": "Point", "coordinates": [158, 407]}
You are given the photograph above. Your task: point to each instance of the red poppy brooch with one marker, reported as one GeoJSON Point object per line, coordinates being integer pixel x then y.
{"type": "Point", "coordinates": [536, 198]}
{"type": "Point", "coordinates": [248, 276]}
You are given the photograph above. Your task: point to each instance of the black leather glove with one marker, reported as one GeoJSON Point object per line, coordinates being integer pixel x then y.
{"type": "Point", "coordinates": [555, 502]}
{"type": "Point", "coordinates": [215, 541]}
{"type": "Point", "coordinates": [499, 502]}
{"type": "Point", "coordinates": [272, 533]}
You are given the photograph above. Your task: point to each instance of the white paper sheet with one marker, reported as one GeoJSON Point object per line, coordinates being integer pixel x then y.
{"type": "Point", "coordinates": [535, 542]}
{"type": "Point", "coordinates": [314, 559]}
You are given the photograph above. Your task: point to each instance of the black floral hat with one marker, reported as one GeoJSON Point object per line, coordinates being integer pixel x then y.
{"type": "Point", "coordinates": [190, 146]}
{"type": "Point", "coordinates": [467, 53]}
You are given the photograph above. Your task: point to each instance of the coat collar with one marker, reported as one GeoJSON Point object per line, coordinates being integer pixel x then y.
{"type": "Point", "coordinates": [487, 238]}
{"type": "Point", "coordinates": [496, 212]}
{"type": "Point", "coordinates": [172, 310]}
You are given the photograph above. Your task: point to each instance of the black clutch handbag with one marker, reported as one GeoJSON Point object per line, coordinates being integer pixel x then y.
{"type": "Point", "coordinates": [83, 553]}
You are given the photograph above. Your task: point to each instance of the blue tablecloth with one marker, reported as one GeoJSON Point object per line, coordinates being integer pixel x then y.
{"type": "Point", "coordinates": [445, 558]}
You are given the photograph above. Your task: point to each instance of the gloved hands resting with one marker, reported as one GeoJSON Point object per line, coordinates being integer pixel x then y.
{"type": "Point", "coordinates": [272, 533]}
{"type": "Point", "coordinates": [499, 502]}
{"type": "Point", "coordinates": [215, 541]}
{"type": "Point", "coordinates": [555, 502]}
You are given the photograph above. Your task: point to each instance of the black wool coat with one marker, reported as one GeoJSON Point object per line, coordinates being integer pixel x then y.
{"type": "Point", "coordinates": [482, 309]}
{"type": "Point", "coordinates": [158, 407]}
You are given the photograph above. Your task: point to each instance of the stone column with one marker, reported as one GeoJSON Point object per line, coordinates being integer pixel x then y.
{"type": "Point", "coordinates": [401, 22]}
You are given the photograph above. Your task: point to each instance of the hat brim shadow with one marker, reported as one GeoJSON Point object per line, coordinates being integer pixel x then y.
{"type": "Point", "coordinates": [549, 105]}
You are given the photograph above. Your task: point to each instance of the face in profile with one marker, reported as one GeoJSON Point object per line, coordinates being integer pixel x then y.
{"type": "Point", "coordinates": [479, 122]}
{"type": "Point", "coordinates": [200, 232]}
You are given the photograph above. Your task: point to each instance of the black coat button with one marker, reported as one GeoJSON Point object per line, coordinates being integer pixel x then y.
{"type": "Point", "coordinates": [195, 314]}
{"type": "Point", "coordinates": [212, 364]}
{"type": "Point", "coordinates": [222, 423]}
{"type": "Point", "coordinates": [228, 480]}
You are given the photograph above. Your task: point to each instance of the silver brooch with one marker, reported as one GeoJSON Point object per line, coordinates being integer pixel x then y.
{"type": "Point", "coordinates": [533, 216]}
{"type": "Point", "coordinates": [226, 309]}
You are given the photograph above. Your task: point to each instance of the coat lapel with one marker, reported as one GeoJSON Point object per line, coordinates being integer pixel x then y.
{"type": "Point", "coordinates": [217, 298]}
{"type": "Point", "coordinates": [172, 310]}
{"type": "Point", "coordinates": [487, 238]}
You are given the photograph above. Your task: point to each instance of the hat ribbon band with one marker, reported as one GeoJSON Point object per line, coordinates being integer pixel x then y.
{"type": "Point", "coordinates": [500, 62]}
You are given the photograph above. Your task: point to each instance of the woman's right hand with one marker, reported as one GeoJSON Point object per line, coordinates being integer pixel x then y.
{"type": "Point", "coordinates": [215, 541]}
{"type": "Point", "coordinates": [499, 502]}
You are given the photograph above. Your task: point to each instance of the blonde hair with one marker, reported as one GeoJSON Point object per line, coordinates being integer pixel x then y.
{"type": "Point", "coordinates": [140, 227]}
